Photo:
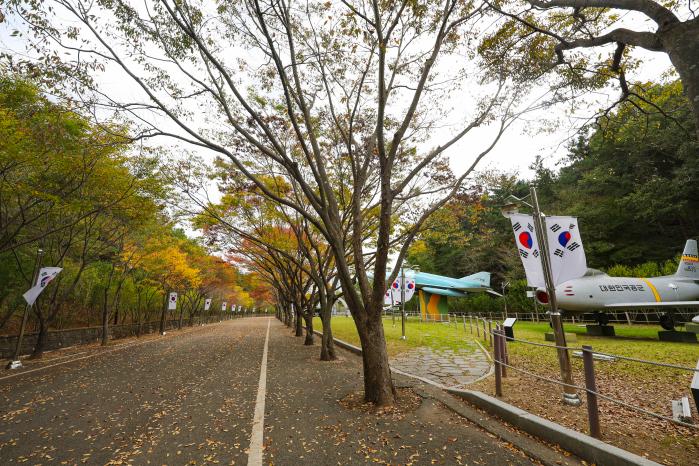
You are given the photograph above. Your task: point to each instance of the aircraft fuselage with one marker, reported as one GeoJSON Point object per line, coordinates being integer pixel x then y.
{"type": "Point", "coordinates": [602, 292]}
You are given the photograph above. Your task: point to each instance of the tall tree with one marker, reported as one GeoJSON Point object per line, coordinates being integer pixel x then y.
{"type": "Point", "coordinates": [638, 169]}
{"type": "Point", "coordinates": [365, 74]}
{"type": "Point", "coordinates": [537, 36]}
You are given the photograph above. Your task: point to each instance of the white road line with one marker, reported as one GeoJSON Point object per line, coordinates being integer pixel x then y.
{"type": "Point", "coordinates": [258, 423]}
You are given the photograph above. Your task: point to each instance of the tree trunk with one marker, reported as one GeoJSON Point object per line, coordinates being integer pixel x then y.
{"type": "Point", "coordinates": [308, 317]}
{"type": "Point", "coordinates": [162, 314]}
{"type": "Point", "coordinates": [42, 337]}
{"type": "Point", "coordinates": [327, 345]}
{"type": "Point", "coordinates": [105, 326]}
{"type": "Point", "coordinates": [105, 309]}
{"type": "Point", "coordinates": [105, 317]}
{"type": "Point", "coordinates": [681, 42]}
{"type": "Point", "coordinates": [139, 317]}
{"type": "Point", "coordinates": [378, 385]}
{"type": "Point", "coordinates": [288, 318]}
{"type": "Point", "coordinates": [298, 322]}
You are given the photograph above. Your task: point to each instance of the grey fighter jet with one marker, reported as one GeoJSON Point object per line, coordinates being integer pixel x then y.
{"type": "Point", "coordinates": [598, 292]}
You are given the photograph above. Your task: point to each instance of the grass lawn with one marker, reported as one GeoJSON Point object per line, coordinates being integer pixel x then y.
{"type": "Point", "coordinates": [638, 341]}
{"type": "Point", "coordinates": [434, 335]}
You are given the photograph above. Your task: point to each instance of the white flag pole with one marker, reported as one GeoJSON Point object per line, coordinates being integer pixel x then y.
{"type": "Point", "coordinates": [570, 396]}
{"type": "Point", "coordinates": [402, 302]}
{"type": "Point", "coordinates": [15, 363]}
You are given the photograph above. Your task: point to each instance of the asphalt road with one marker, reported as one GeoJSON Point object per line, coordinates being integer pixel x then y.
{"type": "Point", "coordinates": [190, 398]}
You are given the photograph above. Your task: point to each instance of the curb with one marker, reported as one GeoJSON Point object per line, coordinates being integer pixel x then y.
{"type": "Point", "coordinates": [582, 445]}
{"type": "Point", "coordinates": [343, 344]}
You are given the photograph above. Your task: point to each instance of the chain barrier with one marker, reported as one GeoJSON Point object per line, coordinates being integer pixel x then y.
{"type": "Point", "coordinates": [595, 393]}
{"type": "Point", "coordinates": [616, 356]}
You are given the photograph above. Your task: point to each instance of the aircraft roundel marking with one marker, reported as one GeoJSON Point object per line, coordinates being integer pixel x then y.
{"type": "Point", "coordinates": [563, 238]}
{"type": "Point", "coordinates": [525, 238]}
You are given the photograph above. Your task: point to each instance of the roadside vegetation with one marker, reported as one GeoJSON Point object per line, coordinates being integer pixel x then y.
{"type": "Point", "coordinates": [98, 206]}
{"type": "Point", "coordinates": [625, 180]}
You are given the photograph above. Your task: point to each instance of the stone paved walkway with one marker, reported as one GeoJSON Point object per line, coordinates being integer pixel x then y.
{"type": "Point", "coordinates": [449, 367]}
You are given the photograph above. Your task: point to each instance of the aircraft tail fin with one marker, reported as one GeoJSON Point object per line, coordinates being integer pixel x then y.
{"type": "Point", "coordinates": [483, 277]}
{"type": "Point", "coordinates": [689, 262]}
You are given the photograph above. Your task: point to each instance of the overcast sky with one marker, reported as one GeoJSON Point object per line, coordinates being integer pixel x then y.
{"type": "Point", "coordinates": [517, 149]}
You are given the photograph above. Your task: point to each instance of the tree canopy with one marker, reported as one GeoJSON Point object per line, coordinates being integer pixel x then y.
{"type": "Point", "coordinates": [95, 204]}
{"type": "Point", "coordinates": [632, 183]}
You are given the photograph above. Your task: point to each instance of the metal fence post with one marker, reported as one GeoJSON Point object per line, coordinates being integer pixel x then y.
{"type": "Point", "coordinates": [503, 351]}
{"type": "Point", "coordinates": [591, 387]}
{"type": "Point", "coordinates": [498, 368]}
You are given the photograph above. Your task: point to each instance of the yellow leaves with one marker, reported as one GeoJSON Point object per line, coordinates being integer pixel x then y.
{"type": "Point", "coordinates": [170, 263]}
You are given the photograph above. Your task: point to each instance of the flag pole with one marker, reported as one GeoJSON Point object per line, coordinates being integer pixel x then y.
{"type": "Point", "coordinates": [402, 301]}
{"type": "Point", "coordinates": [15, 363]}
{"type": "Point", "coordinates": [570, 396]}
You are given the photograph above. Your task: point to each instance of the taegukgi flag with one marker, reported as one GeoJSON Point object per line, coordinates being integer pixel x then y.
{"type": "Point", "coordinates": [565, 249]}
{"type": "Point", "coordinates": [223, 306]}
{"type": "Point", "coordinates": [528, 249]}
{"type": "Point", "coordinates": [172, 301]}
{"type": "Point", "coordinates": [207, 304]}
{"type": "Point", "coordinates": [46, 274]}
{"type": "Point", "coordinates": [393, 293]}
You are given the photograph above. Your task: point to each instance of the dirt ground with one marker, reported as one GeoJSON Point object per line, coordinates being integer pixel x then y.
{"type": "Point", "coordinates": [656, 439]}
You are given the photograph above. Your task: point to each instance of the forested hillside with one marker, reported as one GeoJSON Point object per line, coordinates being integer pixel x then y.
{"type": "Point", "coordinates": [96, 205]}
{"type": "Point", "coordinates": [632, 181]}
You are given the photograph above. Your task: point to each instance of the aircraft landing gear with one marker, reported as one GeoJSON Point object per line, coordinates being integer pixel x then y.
{"type": "Point", "coordinates": [601, 318]}
{"type": "Point", "coordinates": [667, 321]}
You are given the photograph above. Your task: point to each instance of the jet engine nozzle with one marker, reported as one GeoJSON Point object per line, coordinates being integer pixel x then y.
{"type": "Point", "coordinates": [542, 296]}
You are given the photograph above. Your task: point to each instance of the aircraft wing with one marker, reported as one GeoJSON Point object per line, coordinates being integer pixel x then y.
{"type": "Point", "coordinates": [457, 293]}
{"type": "Point", "coordinates": [653, 304]}
{"type": "Point", "coordinates": [444, 292]}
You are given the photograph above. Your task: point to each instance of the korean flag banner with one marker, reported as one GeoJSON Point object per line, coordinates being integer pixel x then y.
{"type": "Point", "coordinates": [565, 249]}
{"type": "Point", "coordinates": [409, 288]}
{"type": "Point", "coordinates": [46, 274]}
{"type": "Point", "coordinates": [172, 301]}
{"type": "Point", "coordinates": [388, 297]}
{"type": "Point", "coordinates": [397, 294]}
{"type": "Point", "coordinates": [528, 249]}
